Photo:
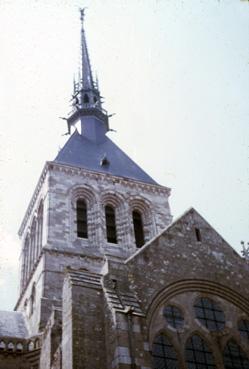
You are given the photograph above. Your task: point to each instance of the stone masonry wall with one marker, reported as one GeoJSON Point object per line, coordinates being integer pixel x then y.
{"type": "Point", "coordinates": [66, 184]}
{"type": "Point", "coordinates": [83, 344]}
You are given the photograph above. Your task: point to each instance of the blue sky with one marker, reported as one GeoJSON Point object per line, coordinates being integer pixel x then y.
{"type": "Point", "coordinates": [175, 72]}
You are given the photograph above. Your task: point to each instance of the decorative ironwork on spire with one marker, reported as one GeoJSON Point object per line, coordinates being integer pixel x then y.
{"type": "Point", "coordinates": [86, 100]}
{"type": "Point", "coordinates": [86, 93]}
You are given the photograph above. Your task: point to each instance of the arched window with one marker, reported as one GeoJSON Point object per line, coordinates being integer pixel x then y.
{"type": "Point", "coordinates": [209, 313]}
{"type": "Point", "coordinates": [81, 209]}
{"type": "Point", "coordinates": [173, 316]}
{"type": "Point", "coordinates": [33, 237]}
{"type": "Point", "coordinates": [111, 233]}
{"type": "Point", "coordinates": [10, 346]}
{"type": "Point", "coordinates": [164, 355]}
{"type": "Point", "coordinates": [86, 99]}
{"type": "Point", "coordinates": [234, 357]}
{"type": "Point", "coordinates": [32, 299]}
{"type": "Point", "coordinates": [2, 346]}
{"type": "Point", "coordinates": [28, 257]}
{"type": "Point", "coordinates": [243, 327]}
{"type": "Point", "coordinates": [19, 347]}
{"type": "Point", "coordinates": [31, 346]}
{"type": "Point", "coordinates": [198, 355]}
{"type": "Point", "coordinates": [40, 228]}
{"type": "Point", "coordinates": [138, 228]}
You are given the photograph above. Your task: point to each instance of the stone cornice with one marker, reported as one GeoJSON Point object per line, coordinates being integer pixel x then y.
{"type": "Point", "coordinates": [128, 182]}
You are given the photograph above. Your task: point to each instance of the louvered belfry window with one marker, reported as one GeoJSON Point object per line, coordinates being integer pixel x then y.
{"type": "Point", "coordinates": [138, 228]}
{"type": "Point", "coordinates": [81, 209]}
{"type": "Point", "coordinates": [111, 233]}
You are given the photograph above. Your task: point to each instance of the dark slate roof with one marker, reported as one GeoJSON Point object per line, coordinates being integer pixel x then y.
{"type": "Point", "coordinates": [82, 152]}
{"type": "Point", "coordinates": [12, 324]}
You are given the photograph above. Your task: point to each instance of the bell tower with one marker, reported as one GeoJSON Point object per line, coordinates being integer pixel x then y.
{"type": "Point", "coordinates": [92, 203]}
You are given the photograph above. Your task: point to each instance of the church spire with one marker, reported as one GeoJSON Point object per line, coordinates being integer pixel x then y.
{"type": "Point", "coordinates": [86, 72]}
{"type": "Point", "coordinates": [86, 99]}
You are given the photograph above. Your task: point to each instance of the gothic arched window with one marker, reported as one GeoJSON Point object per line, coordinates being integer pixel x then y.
{"type": "Point", "coordinates": [81, 209]}
{"type": "Point", "coordinates": [209, 314]}
{"type": "Point", "coordinates": [138, 228]}
{"type": "Point", "coordinates": [110, 218]}
{"type": "Point", "coordinates": [164, 355]}
{"type": "Point", "coordinates": [243, 327]}
{"type": "Point", "coordinates": [198, 355]}
{"type": "Point", "coordinates": [86, 99]}
{"type": "Point", "coordinates": [234, 357]}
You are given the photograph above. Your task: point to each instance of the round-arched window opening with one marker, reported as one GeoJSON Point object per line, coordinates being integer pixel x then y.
{"type": "Point", "coordinates": [234, 357]}
{"type": "Point", "coordinates": [2, 346]}
{"type": "Point", "coordinates": [19, 347]}
{"type": "Point", "coordinates": [31, 346]}
{"type": "Point", "coordinates": [243, 327]}
{"type": "Point", "coordinates": [173, 316]}
{"type": "Point", "coordinates": [198, 354]}
{"type": "Point", "coordinates": [11, 346]}
{"type": "Point", "coordinates": [209, 314]}
{"type": "Point", "coordinates": [163, 353]}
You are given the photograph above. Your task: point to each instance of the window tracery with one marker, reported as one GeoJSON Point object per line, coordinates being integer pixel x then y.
{"type": "Point", "coordinates": [209, 314]}
{"type": "Point", "coordinates": [234, 357]}
{"type": "Point", "coordinates": [173, 316]}
{"type": "Point", "coordinates": [198, 354]}
{"type": "Point", "coordinates": [243, 327]}
{"type": "Point", "coordinates": [201, 349]}
{"type": "Point", "coordinates": [164, 355]}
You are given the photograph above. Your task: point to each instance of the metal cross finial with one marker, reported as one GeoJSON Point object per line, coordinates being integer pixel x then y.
{"type": "Point", "coordinates": [82, 15]}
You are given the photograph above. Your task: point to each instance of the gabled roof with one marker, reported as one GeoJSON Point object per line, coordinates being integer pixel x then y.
{"type": "Point", "coordinates": [84, 153]}
{"type": "Point", "coordinates": [185, 224]}
{"type": "Point", "coordinates": [12, 324]}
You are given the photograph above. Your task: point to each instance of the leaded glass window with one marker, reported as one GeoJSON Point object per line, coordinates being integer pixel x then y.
{"type": "Point", "coordinates": [164, 355]}
{"type": "Point", "coordinates": [243, 327]}
{"type": "Point", "coordinates": [234, 357]}
{"type": "Point", "coordinates": [173, 316]}
{"type": "Point", "coordinates": [198, 355]}
{"type": "Point", "coordinates": [209, 314]}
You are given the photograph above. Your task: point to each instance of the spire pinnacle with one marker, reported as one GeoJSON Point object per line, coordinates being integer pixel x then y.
{"type": "Point", "coordinates": [82, 15]}
{"type": "Point", "coordinates": [86, 99]}
{"type": "Point", "coordinates": [86, 71]}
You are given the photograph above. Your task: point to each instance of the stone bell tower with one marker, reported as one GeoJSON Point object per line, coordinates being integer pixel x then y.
{"type": "Point", "coordinates": [92, 202]}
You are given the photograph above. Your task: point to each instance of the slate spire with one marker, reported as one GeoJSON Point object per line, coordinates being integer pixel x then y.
{"type": "Point", "coordinates": [86, 71]}
{"type": "Point", "coordinates": [86, 99]}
